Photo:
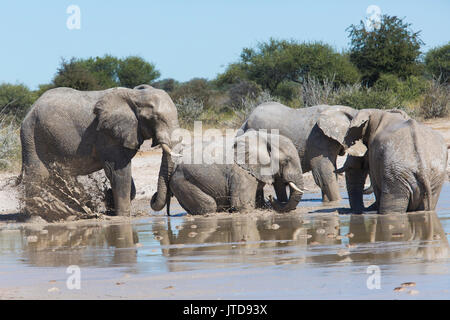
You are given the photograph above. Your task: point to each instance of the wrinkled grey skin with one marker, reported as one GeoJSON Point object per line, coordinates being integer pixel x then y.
{"type": "Point", "coordinates": [93, 130]}
{"type": "Point", "coordinates": [206, 188]}
{"type": "Point", "coordinates": [407, 161]}
{"type": "Point", "coordinates": [318, 134]}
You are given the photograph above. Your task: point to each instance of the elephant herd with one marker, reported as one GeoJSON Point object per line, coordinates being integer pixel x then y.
{"type": "Point", "coordinates": [89, 131]}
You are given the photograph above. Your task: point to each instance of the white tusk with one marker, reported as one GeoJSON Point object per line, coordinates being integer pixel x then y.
{"type": "Point", "coordinates": [166, 148]}
{"type": "Point", "coordinates": [293, 186]}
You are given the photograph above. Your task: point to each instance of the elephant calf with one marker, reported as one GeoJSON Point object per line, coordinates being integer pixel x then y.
{"type": "Point", "coordinates": [407, 161]}
{"type": "Point", "coordinates": [206, 188]}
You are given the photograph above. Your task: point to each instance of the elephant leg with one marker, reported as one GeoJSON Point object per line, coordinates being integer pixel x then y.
{"type": "Point", "coordinates": [324, 176]}
{"type": "Point", "coordinates": [191, 197]}
{"type": "Point", "coordinates": [120, 178]}
{"type": "Point", "coordinates": [393, 201]}
{"type": "Point", "coordinates": [109, 197]}
{"type": "Point", "coordinates": [260, 203]}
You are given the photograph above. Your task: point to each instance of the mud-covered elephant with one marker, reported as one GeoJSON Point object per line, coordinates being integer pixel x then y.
{"type": "Point", "coordinates": [318, 134]}
{"type": "Point", "coordinates": [88, 131]}
{"type": "Point", "coordinates": [406, 161]}
{"type": "Point", "coordinates": [237, 186]}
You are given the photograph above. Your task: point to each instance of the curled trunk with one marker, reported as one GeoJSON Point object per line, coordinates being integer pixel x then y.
{"type": "Point", "coordinates": [294, 197]}
{"type": "Point", "coordinates": [161, 197]}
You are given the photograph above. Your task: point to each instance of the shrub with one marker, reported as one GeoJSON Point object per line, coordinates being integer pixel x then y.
{"type": "Point", "coordinates": [9, 141]}
{"type": "Point", "coordinates": [15, 100]}
{"type": "Point", "coordinates": [366, 98]}
{"type": "Point", "coordinates": [247, 106]}
{"type": "Point", "coordinates": [436, 101]}
{"type": "Point", "coordinates": [437, 62]}
{"type": "Point", "coordinates": [241, 91]}
{"type": "Point", "coordinates": [189, 110]}
{"type": "Point", "coordinates": [315, 92]}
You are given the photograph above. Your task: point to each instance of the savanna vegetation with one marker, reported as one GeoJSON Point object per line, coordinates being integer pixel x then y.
{"type": "Point", "coordinates": [382, 68]}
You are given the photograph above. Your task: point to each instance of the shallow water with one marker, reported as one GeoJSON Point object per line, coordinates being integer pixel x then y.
{"type": "Point", "coordinates": [247, 256]}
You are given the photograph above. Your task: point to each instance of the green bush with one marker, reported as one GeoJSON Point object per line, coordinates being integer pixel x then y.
{"type": "Point", "coordinates": [15, 100]}
{"type": "Point", "coordinates": [406, 90]}
{"type": "Point", "coordinates": [366, 98]}
{"type": "Point", "coordinates": [437, 62]}
{"type": "Point", "coordinates": [9, 141]}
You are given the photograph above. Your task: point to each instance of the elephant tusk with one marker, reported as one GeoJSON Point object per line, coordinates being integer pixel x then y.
{"type": "Point", "coordinates": [293, 186]}
{"type": "Point", "coordinates": [166, 148]}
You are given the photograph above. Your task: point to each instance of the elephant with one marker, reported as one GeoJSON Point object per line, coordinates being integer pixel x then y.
{"type": "Point", "coordinates": [238, 186]}
{"type": "Point", "coordinates": [318, 134]}
{"type": "Point", "coordinates": [88, 131]}
{"type": "Point", "coordinates": [406, 162]}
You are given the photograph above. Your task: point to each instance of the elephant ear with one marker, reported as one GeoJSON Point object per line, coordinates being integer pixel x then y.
{"type": "Point", "coordinates": [118, 119]}
{"type": "Point", "coordinates": [252, 152]}
{"type": "Point", "coordinates": [334, 123]}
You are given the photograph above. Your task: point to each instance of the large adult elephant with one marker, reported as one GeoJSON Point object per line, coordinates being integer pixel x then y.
{"type": "Point", "coordinates": [257, 160]}
{"type": "Point", "coordinates": [318, 134]}
{"type": "Point", "coordinates": [88, 131]}
{"type": "Point", "coordinates": [406, 160]}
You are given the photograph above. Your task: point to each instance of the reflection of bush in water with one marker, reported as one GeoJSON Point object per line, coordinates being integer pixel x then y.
{"type": "Point", "coordinates": [62, 196]}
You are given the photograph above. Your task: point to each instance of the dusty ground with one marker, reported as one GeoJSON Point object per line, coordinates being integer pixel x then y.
{"type": "Point", "coordinates": [145, 174]}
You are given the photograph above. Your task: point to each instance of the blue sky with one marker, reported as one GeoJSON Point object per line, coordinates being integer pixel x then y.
{"type": "Point", "coordinates": [185, 39]}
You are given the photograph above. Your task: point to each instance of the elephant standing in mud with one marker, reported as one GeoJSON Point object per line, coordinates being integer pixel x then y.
{"type": "Point", "coordinates": [88, 131]}
{"type": "Point", "coordinates": [406, 162]}
{"type": "Point", "coordinates": [206, 188]}
{"type": "Point", "coordinates": [318, 134]}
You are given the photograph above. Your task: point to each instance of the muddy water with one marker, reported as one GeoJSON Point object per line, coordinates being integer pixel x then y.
{"type": "Point", "coordinates": [250, 256]}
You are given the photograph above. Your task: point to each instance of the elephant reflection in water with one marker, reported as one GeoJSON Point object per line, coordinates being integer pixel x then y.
{"type": "Point", "coordinates": [245, 239]}
{"type": "Point", "coordinates": [79, 245]}
{"type": "Point", "coordinates": [417, 229]}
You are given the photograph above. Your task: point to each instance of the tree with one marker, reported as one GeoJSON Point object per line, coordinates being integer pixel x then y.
{"type": "Point", "coordinates": [391, 48]}
{"type": "Point", "coordinates": [437, 62]}
{"type": "Point", "coordinates": [75, 74]}
{"type": "Point", "coordinates": [15, 99]}
{"type": "Point", "coordinates": [134, 71]}
{"type": "Point", "coordinates": [276, 61]}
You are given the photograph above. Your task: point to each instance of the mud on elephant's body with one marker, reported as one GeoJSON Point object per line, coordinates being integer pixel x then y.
{"type": "Point", "coordinates": [407, 161]}
{"type": "Point", "coordinates": [88, 131]}
{"type": "Point", "coordinates": [206, 188]}
{"type": "Point", "coordinates": [318, 134]}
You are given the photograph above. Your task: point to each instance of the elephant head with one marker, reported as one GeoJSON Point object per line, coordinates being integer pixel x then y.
{"type": "Point", "coordinates": [335, 123]}
{"type": "Point", "coordinates": [134, 115]}
{"type": "Point", "coordinates": [268, 157]}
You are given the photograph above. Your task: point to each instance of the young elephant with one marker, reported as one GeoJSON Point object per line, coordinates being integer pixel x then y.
{"type": "Point", "coordinates": [407, 160]}
{"type": "Point", "coordinates": [205, 188]}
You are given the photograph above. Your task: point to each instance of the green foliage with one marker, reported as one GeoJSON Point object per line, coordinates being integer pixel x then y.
{"type": "Point", "coordinates": [279, 61]}
{"type": "Point", "coordinates": [241, 91]}
{"type": "Point", "coordinates": [134, 71]}
{"type": "Point", "coordinates": [197, 89]}
{"type": "Point", "coordinates": [9, 141]}
{"type": "Point", "coordinates": [104, 72]}
{"type": "Point", "coordinates": [168, 85]}
{"type": "Point", "coordinates": [75, 74]}
{"type": "Point", "coordinates": [437, 62]}
{"type": "Point", "coordinates": [15, 99]}
{"type": "Point", "coordinates": [393, 48]}
{"type": "Point", "coordinates": [406, 90]}
{"type": "Point", "coordinates": [366, 98]}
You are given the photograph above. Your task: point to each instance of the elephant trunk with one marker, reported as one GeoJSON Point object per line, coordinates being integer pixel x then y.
{"type": "Point", "coordinates": [296, 193]}
{"type": "Point", "coordinates": [161, 196]}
